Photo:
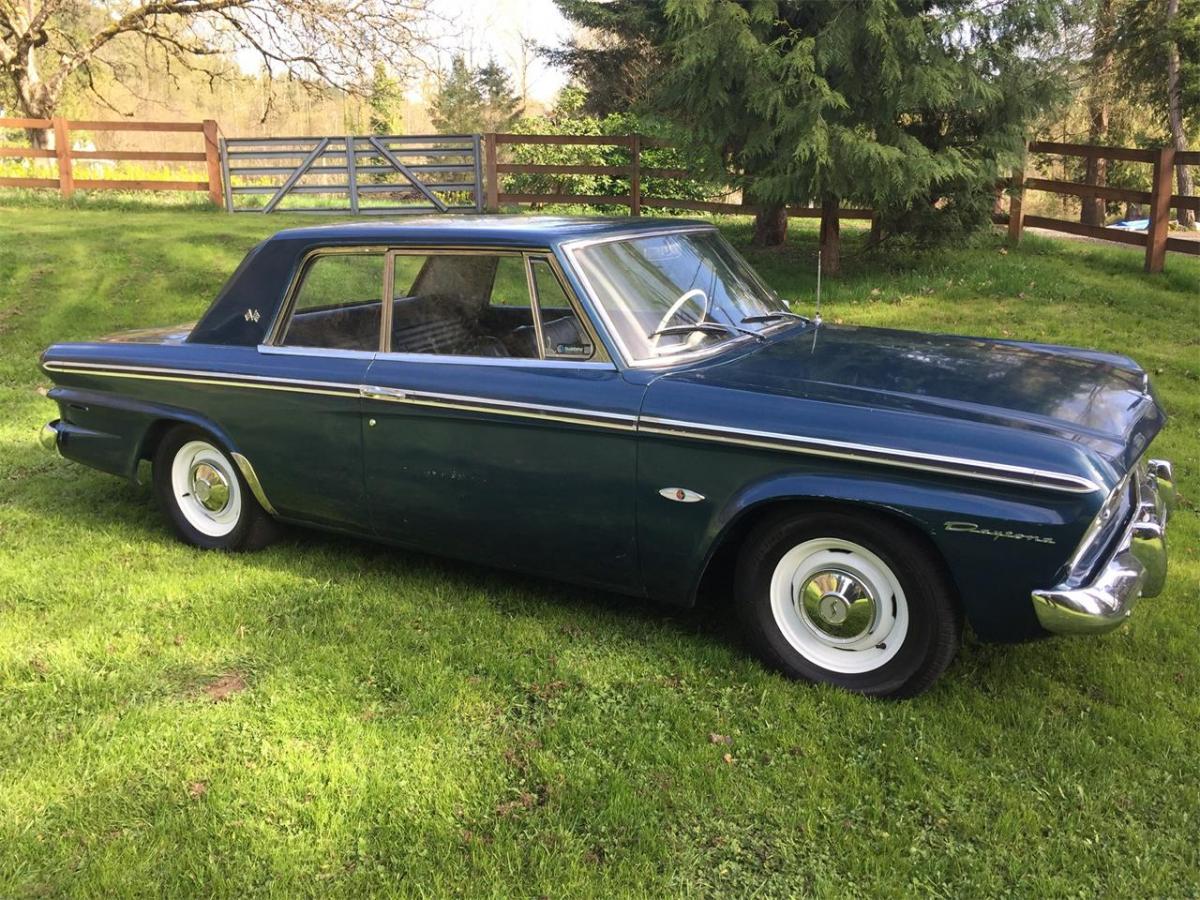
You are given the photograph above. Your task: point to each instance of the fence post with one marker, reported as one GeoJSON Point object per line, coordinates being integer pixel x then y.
{"type": "Point", "coordinates": [62, 154]}
{"type": "Point", "coordinates": [1016, 216]}
{"type": "Point", "coordinates": [493, 179]}
{"type": "Point", "coordinates": [352, 173]}
{"type": "Point", "coordinates": [635, 175]}
{"type": "Point", "coordinates": [212, 159]}
{"type": "Point", "coordinates": [1160, 210]}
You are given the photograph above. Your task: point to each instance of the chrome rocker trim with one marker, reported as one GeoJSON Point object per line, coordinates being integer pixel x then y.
{"type": "Point", "coordinates": [1136, 568]}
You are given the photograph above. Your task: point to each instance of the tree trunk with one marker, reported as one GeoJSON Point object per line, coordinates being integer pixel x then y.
{"type": "Point", "coordinates": [34, 99]}
{"type": "Point", "coordinates": [831, 238]}
{"type": "Point", "coordinates": [770, 225]}
{"type": "Point", "coordinates": [1187, 217]}
{"type": "Point", "coordinates": [1093, 210]}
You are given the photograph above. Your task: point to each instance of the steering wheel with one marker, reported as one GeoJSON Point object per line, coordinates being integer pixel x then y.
{"type": "Point", "coordinates": [673, 310]}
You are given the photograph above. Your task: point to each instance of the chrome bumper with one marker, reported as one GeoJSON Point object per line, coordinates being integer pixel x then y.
{"type": "Point", "coordinates": [1138, 567]}
{"type": "Point", "coordinates": [49, 435]}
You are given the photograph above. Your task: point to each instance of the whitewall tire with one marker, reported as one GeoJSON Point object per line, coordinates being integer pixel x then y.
{"type": "Point", "coordinates": [849, 599]}
{"type": "Point", "coordinates": [204, 495]}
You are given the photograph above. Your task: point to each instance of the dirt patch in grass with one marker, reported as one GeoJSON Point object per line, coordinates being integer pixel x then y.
{"type": "Point", "coordinates": [224, 687]}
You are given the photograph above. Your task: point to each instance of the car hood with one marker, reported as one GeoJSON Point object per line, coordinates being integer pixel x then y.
{"type": "Point", "coordinates": [1099, 400]}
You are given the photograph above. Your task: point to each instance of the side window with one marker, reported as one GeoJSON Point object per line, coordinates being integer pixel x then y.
{"type": "Point", "coordinates": [453, 304]}
{"type": "Point", "coordinates": [338, 304]}
{"type": "Point", "coordinates": [563, 335]}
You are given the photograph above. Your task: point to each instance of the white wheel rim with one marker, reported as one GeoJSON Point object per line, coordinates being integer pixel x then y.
{"type": "Point", "coordinates": [839, 605]}
{"type": "Point", "coordinates": [199, 473]}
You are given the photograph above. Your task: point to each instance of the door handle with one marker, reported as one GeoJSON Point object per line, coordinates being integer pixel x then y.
{"type": "Point", "coordinates": [373, 392]}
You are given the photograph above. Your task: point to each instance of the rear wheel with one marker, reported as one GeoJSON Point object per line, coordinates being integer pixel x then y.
{"type": "Point", "coordinates": [849, 600]}
{"type": "Point", "coordinates": [204, 495]}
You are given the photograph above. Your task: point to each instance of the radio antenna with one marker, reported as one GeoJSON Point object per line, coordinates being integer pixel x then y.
{"type": "Point", "coordinates": [817, 314]}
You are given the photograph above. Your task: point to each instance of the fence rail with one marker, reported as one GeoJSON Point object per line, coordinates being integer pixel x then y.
{"type": "Point", "coordinates": [65, 156]}
{"type": "Point", "coordinates": [634, 172]}
{"type": "Point", "coordinates": [465, 172]}
{"type": "Point", "coordinates": [1159, 198]}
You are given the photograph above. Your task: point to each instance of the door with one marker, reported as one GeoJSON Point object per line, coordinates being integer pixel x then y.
{"type": "Point", "coordinates": [495, 429]}
{"type": "Point", "coordinates": [300, 423]}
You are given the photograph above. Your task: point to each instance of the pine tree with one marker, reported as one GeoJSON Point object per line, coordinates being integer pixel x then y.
{"type": "Point", "coordinates": [470, 100]}
{"type": "Point", "coordinates": [1157, 43]}
{"type": "Point", "coordinates": [458, 106]}
{"type": "Point", "coordinates": [501, 106]}
{"type": "Point", "coordinates": [910, 107]}
{"type": "Point", "coordinates": [383, 101]}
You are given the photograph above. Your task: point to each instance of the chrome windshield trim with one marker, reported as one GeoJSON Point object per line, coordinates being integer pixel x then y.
{"type": "Point", "coordinates": [569, 249]}
{"type": "Point", "coordinates": [908, 459]}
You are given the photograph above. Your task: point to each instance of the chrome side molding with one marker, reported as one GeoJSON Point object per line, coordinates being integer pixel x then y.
{"type": "Point", "coordinates": [251, 477]}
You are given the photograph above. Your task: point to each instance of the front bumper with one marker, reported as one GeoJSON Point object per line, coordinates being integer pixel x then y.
{"type": "Point", "coordinates": [1136, 568]}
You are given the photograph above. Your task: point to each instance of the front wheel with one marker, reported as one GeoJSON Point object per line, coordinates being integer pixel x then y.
{"type": "Point", "coordinates": [204, 495]}
{"type": "Point", "coordinates": [849, 600]}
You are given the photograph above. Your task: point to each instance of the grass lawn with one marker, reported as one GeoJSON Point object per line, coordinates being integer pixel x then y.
{"type": "Point", "coordinates": [330, 716]}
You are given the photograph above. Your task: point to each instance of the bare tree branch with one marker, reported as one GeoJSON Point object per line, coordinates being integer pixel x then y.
{"type": "Point", "coordinates": [331, 42]}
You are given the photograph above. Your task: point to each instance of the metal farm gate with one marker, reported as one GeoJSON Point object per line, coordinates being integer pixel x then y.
{"type": "Point", "coordinates": [367, 175]}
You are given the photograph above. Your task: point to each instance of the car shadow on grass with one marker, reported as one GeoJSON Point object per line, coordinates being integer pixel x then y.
{"type": "Point", "coordinates": [130, 513]}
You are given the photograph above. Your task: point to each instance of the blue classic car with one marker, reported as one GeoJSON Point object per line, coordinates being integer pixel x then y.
{"type": "Point", "coordinates": [625, 404]}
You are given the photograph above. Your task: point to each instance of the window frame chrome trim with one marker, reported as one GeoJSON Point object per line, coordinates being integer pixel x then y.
{"type": "Point", "coordinates": [508, 362]}
{"type": "Point", "coordinates": [283, 315]}
{"type": "Point", "coordinates": [573, 303]}
{"type": "Point", "coordinates": [569, 249]}
{"type": "Point", "coordinates": [336, 353]}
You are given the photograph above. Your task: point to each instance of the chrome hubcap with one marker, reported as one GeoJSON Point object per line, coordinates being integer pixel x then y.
{"type": "Point", "coordinates": [209, 486]}
{"type": "Point", "coordinates": [838, 605]}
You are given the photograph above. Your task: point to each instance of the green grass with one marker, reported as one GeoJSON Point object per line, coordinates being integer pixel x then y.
{"type": "Point", "coordinates": [395, 723]}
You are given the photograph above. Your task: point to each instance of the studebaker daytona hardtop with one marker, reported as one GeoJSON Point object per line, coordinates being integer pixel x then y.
{"type": "Point", "coordinates": [625, 404]}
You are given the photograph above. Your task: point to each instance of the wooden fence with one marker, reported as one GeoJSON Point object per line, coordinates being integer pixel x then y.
{"type": "Point", "coordinates": [65, 157]}
{"type": "Point", "coordinates": [634, 172]}
{"type": "Point", "coordinates": [1159, 199]}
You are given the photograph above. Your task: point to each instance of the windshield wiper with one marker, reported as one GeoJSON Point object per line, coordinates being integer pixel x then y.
{"type": "Point", "coordinates": [710, 327]}
{"type": "Point", "coordinates": [778, 314]}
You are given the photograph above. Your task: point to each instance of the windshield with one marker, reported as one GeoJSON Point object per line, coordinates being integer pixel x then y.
{"type": "Point", "coordinates": [668, 294]}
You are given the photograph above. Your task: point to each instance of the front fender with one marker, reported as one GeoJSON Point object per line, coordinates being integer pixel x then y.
{"type": "Point", "coordinates": [994, 574]}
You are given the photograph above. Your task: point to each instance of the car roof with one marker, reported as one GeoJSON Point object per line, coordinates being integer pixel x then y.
{"type": "Point", "coordinates": [516, 230]}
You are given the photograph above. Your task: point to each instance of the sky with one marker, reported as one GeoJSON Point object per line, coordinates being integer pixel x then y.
{"type": "Point", "coordinates": [483, 29]}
